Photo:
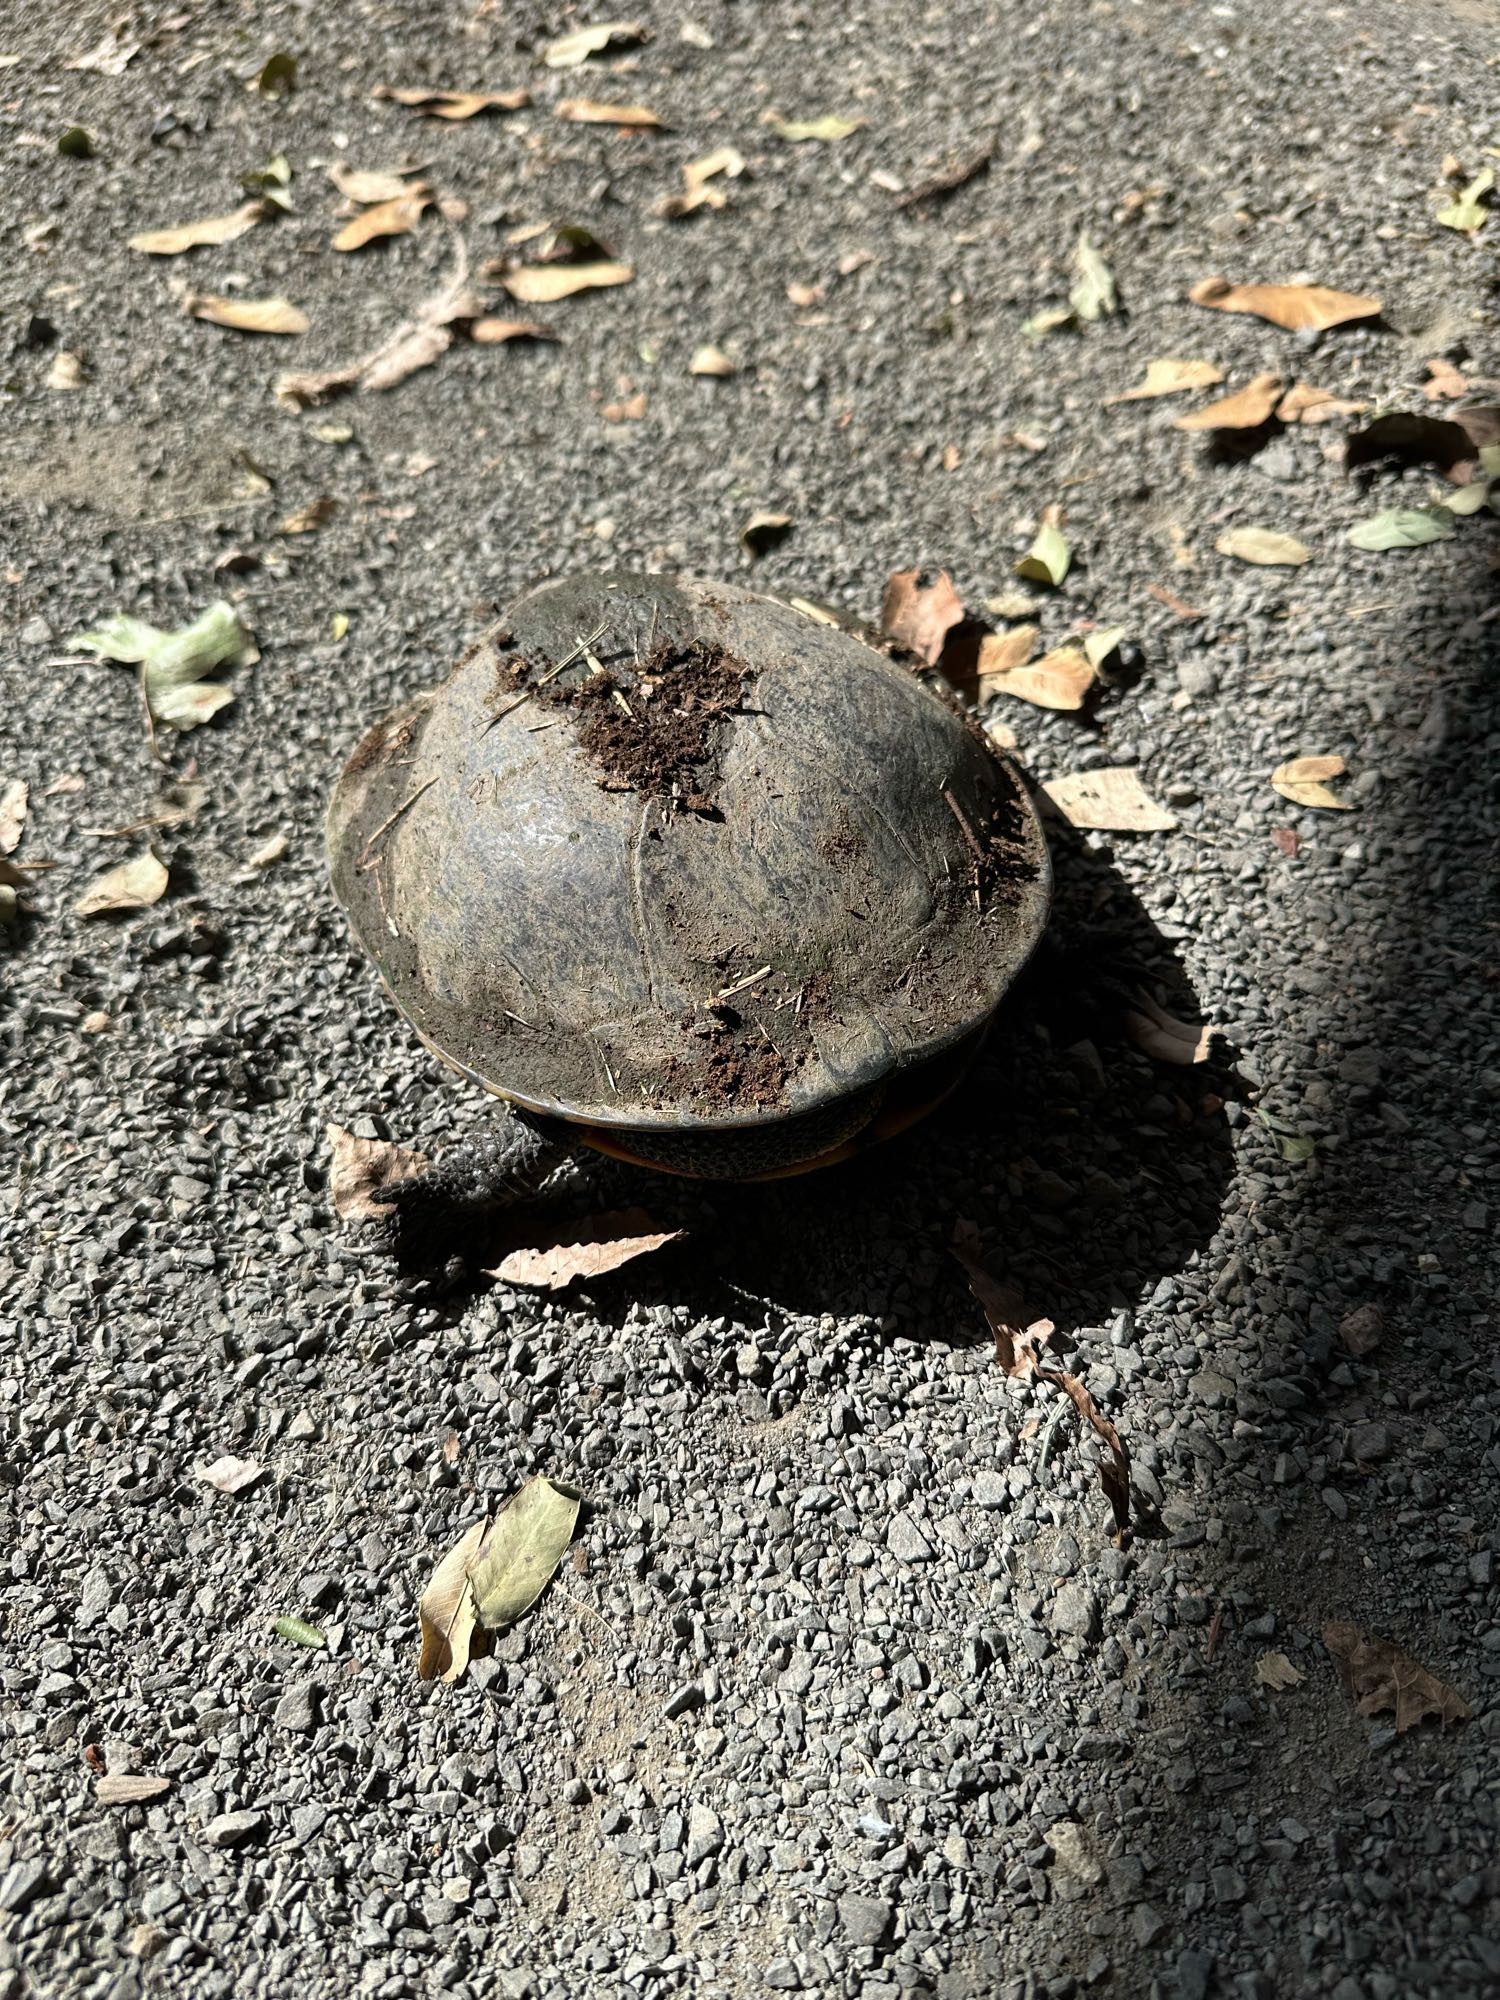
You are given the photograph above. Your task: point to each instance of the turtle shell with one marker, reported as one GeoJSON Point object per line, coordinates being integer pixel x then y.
{"type": "Point", "coordinates": [664, 853]}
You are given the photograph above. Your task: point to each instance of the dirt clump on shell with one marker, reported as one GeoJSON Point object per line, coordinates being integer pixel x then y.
{"type": "Point", "coordinates": [729, 1068]}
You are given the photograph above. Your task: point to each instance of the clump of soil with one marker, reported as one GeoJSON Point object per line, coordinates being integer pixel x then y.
{"type": "Point", "coordinates": [729, 1070]}
{"type": "Point", "coordinates": [659, 730]}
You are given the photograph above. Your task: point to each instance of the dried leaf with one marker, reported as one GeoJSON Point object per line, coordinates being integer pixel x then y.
{"type": "Point", "coordinates": [1298, 308]}
{"type": "Point", "coordinates": [246, 315]}
{"type": "Point", "coordinates": [764, 532]}
{"type": "Point", "coordinates": [1102, 645]}
{"type": "Point", "coordinates": [307, 520]}
{"type": "Point", "coordinates": [13, 802]}
{"type": "Point", "coordinates": [107, 57]}
{"type": "Point", "coordinates": [359, 1167]}
{"type": "Point", "coordinates": [543, 284]}
{"type": "Point", "coordinates": [918, 615]}
{"type": "Point", "coordinates": [709, 360]}
{"type": "Point", "coordinates": [1402, 528]}
{"type": "Point", "coordinates": [1275, 1670]}
{"type": "Point", "coordinates": [374, 185]}
{"type": "Point", "coordinates": [1051, 319]}
{"type": "Point", "coordinates": [134, 885]}
{"type": "Point", "coordinates": [1170, 377]}
{"type": "Point", "coordinates": [528, 1541]}
{"type": "Point", "coordinates": [589, 111]}
{"type": "Point", "coordinates": [1385, 1679]}
{"type": "Point", "coordinates": [1469, 211]}
{"type": "Point", "coordinates": [1002, 652]}
{"type": "Point", "coordinates": [1246, 410]}
{"type": "Point", "coordinates": [1301, 781]}
{"type": "Point", "coordinates": [1160, 1034]}
{"type": "Point", "coordinates": [192, 235]}
{"type": "Point", "coordinates": [414, 344]}
{"type": "Point", "coordinates": [232, 1475]}
{"type": "Point", "coordinates": [298, 1632]}
{"type": "Point", "coordinates": [277, 75]}
{"type": "Point", "coordinates": [1012, 604]}
{"type": "Point", "coordinates": [1113, 801]}
{"type": "Point", "coordinates": [568, 51]}
{"type": "Point", "coordinates": [699, 190]}
{"type": "Point", "coordinates": [1018, 1347]}
{"type": "Point", "coordinates": [1362, 1329]}
{"type": "Point", "coordinates": [446, 1611]}
{"type": "Point", "coordinates": [454, 104]}
{"type": "Point", "coordinates": [1095, 295]}
{"type": "Point", "coordinates": [1444, 382]}
{"type": "Point", "coordinates": [629, 411]}
{"type": "Point", "coordinates": [129, 1788]}
{"type": "Point", "coordinates": [396, 217]}
{"type": "Point", "coordinates": [1049, 557]}
{"type": "Point", "coordinates": [1061, 679]}
{"type": "Point", "coordinates": [585, 1249]}
{"type": "Point", "coordinates": [491, 332]}
{"type": "Point", "coordinates": [191, 705]}
{"type": "Point", "coordinates": [1303, 404]}
{"type": "Point", "coordinates": [1264, 547]}
{"type": "Point", "coordinates": [797, 131]}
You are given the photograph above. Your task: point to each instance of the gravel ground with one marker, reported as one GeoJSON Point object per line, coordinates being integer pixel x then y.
{"type": "Point", "coordinates": [847, 1691]}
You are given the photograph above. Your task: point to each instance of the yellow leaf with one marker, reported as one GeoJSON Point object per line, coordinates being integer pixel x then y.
{"type": "Point", "coordinates": [191, 235]}
{"type": "Point", "coordinates": [528, 1541]}
{"type": "Point", "coordinates": [1114, 801]}
{"type": "Point", "coordinates": [246, 315]}
{"type": "Point", "coordinates": [797, 131]}
{"type": "Point", "coordinates": [710, 361]}
{"type": "Point", "coordinates": [1301, 781]}
{"type": "Point", "coordinates": [1263, 546]}
{"type": "Point", "coordinates": [541, 284]}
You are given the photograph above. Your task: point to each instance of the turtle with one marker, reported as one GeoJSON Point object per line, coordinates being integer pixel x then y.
{"type": "Point", "coordinates": [688, 873]}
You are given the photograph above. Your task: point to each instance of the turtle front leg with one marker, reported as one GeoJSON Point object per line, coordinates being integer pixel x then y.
{"type": "Point", "coordinates": [504, 1162]}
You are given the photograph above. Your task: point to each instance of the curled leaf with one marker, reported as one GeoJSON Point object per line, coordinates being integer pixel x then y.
{"type": "Point", "coordinates": [589, 111]}
{"type": "Point", "coordinates": [764, 532]}
{"type": "Point", "coordinates": [1468, 212]}
{"type": "Point", "coordinates": [568, 51]}
{"type": "Point", "coordinates": [414, 344]}
{"type": "Point", "coordinates": [396, 217]}
{"type": "Point", "coordinates": [1095, 295]}
{"type": "Point", "coordinates": [134, 885]}
{"type": "Point", "coordinates": [699, 177]}
{"type": "Point", "coordinates": [1403, 528]}
{"type": "Point", "coordinates": [1049, 558]}
{"type": "Point", "coordinates": [1264, 547]}
{"type": "Point", "coordinates": [1301, 779]}
{"type": "Point", "coordinates": [919, 615]}
{"type": "Point", "coordinates": [798, 131]}
{"type": "Point", "coordinates": [1246, 410]}
{"type": "Point", "coordinates": [709, 360]}
{"type": "Point", "coordinates": [1298, 308]}
{"type": "Point", "coordinates": [193, 235]}
{"type": "Point", "coordinates": [543, 284]}
{"type": "Point", "coordinates": [454, 104]}
{"type": "Point", "coordinates": [246, 315]}
{"type": "Point", "coordinates": [1061, 679]}
{"type": "Point", "coordinates": [1275, 1670]}
{"type": "Point", "coordinates": [586, 1249]}
{"type": "Point", "coordinates": [277, 75]}
{"type": "Point", "coordinates": [446, 1611]}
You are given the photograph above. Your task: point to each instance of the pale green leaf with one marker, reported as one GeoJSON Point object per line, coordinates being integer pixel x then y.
{"type": "Point", "coordinates": [187, 704]}
{"type": "Point", "coordinates": [1467, 499]}
{"type": "Point", "coordinates": [827, 129]}
{"type": "Point", "coordinates": [1051, 319]}
{"type": "Point", "coordinates": [1101, 645]}
{"type": "Point", "coordinates": [1467, 211]}
{"type": "Point", "coordinates": [1095, 296]}
{"type": "Point", "coordinates": [173, 664]}
{"type": "Point", "coordinates": [129, 640]}
{"type": "Point", "coordinates": [525, 1546]}
{"type": "Point", "coordinates": [298, 1632]}
{"type": "Point", "coordinates": [1403, 528]}
{"type": "Point", "coordinates": [1048, 558]}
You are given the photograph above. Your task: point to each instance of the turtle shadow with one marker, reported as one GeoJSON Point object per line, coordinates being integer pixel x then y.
{"type": "Point", "coordinates": [1090, 1171]}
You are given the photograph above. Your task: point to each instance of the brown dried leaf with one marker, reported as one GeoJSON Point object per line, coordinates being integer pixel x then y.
{"type": "Point", "coordinates": [1275, 1670]}
{"type": "Point", "coordinates": [1245, 410]}
{"type": "Point", "coordinates": [307, 520]}
{"type": "Point", "coordinates": [396, 217]}
{"type": "Point", "coordinates": [13, 800]}
{"type": "Point", "coordinates": [543, 284]}
{"type": "Point", "coordinates": [446, 1611]}
{"type": "Point", "coordinates": [1383, 1678]}
{"type": "Point", "coordinates": [246, 315]}
{"type": "Point", "coordinates": [134, 885]}
{"type": "Point", "coordinates": [192, 235]}
{"type": "Point", "coordinates": [359, 1166]}
{"type": "Point", "coordinates": [491, 332]}
{"type": "Point", "coordinates": [589, 111]}
{"type": "Point", "coordinates": [1018, 1346]}
{"type": "Point", "coordinates": [1113, 801]}
{"type": "Point", "coordinates": [1362, 1329]}
{"type": "Point", "coordinates": [1162, 1035]}
{"type": "Point", "coordinates": [710, 360]}
{"type": "Point", "coordinates": [1298, 308]}
{"type": "Point", "coordinates": [454, 104]}
{"type": "Point", "coordinates": [232, 1475]}
{"type": "Point", "coordinates": [919, 616]}
{"type": "Point", "coordinates": [1003, 652]}
{"type": "Point", "coordinates": [629, 411]}
{"type": "Point", "coordinates": [414, 344]}
{"type": "Point", "coordinates": [1169, 377]}
{"type": "Point", "coordinates": [1300, 779]}
{"type": "Point", "coordinates": [584, 1249]}
{"type": "Point", "coordinates": [1061, 679]}
{"type": "Point", "coordinates": [373, 185]}
{"type": "Point", "coordinates": [1444, 383]}
{"type": "Point", "coordinates": [1303, 404]}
